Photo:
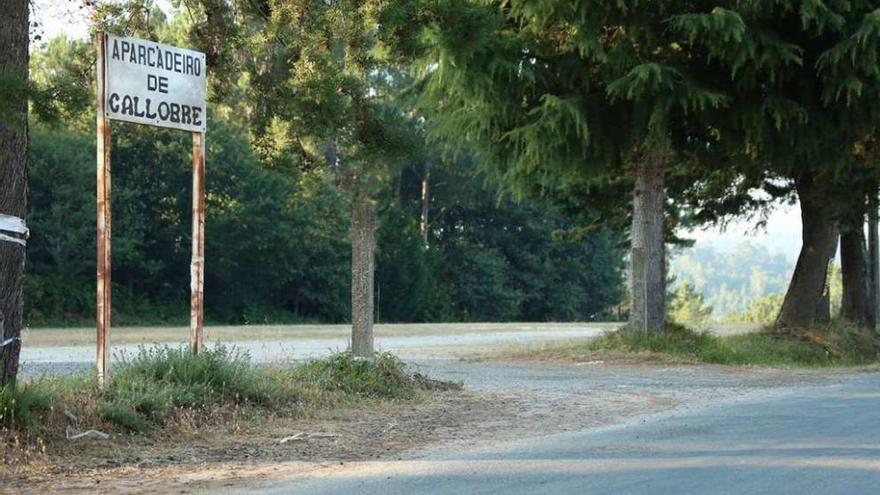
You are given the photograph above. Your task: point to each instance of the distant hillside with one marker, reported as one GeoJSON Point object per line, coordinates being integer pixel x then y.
{"type": "Point", "coordinates": [730, 280]}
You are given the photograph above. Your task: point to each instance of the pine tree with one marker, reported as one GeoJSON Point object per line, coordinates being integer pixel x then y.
{"type": "Point", "coordinates": [316, 78]}
{"type": "Point", "coordinates": [561, 93]}
{"type": "Point", "coordinates": [804, 81]}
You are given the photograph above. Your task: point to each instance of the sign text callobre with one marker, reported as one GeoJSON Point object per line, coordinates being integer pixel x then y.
{"type": "Point", "coordinates": [155, 84]}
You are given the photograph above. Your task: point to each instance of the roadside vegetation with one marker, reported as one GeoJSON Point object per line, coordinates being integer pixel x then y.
{"type": "Point", "coordinates": [838, 344]}
{"type": "Point", "coordinates": [472, 271]}
{"type": "Point", "coordinates": [164, 390]}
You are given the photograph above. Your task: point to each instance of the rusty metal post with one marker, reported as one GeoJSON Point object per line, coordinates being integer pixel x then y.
{"type": "Point", "coordinates": [104, 288]}
{"type": "Point", "coordinates": [197, 266]}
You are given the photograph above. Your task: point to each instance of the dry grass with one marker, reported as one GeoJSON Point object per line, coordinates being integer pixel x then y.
{"type": "Point", "coordinates": [159, 462]}
{"type": "Point", "coordinates": [834, 346]}
{"type": "Point", "coordinates": [50, 337]}
{"type": "Point", "coordinates": [164, 395]}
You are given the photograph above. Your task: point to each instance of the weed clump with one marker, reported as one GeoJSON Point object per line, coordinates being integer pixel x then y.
{"type": "Point", "coordinates": [24, 405]}
{"type": "Point", "coordinates": [838, 344]}
{"type": "Point", "coordinates": [158, 386]}
{"type": "Point", "coordinates": [382, 377]}
{"type": "Point", "coordinates": [149, 388]}
{"type": "Point", "coordinates": [677, 340]}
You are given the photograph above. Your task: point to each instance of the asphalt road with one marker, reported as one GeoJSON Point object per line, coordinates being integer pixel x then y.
{"type": "Point", "coordinates": [807, 439]}
{"type": "Point", "coordinates": [53, 353]}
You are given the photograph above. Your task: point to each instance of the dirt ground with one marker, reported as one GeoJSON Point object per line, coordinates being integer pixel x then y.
{"type": "Point", "coordinates": [502, 401]}
{"type": "Point", "coordinates": [198, 461]}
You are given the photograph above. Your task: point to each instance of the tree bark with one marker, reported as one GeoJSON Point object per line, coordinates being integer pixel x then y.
{"type": "Point", "coordinates": [426, 183]}
{"type": "Point", "coordinates": [362, 273]}
{"type": "Point", "coordinates": [823, 309]}
{"type": "Point", "coordinates": [648, 254]}
{"type": "Point", "coordinates": [799, 308]}
{"type": "Point", "coordinates": [853, 266]}
{"type": "Point", "coordinates": [13, 178]}
{"type": "Point", "coordinates": [873, 262]}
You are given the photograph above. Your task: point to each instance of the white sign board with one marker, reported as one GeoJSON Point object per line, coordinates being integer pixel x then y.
{"type": "Point", "coordinates": [154, 84]}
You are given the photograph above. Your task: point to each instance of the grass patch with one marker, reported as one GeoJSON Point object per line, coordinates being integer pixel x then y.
{"type": "Point", "coordinates": [836, 345]}
{"type": "Point", "coordinates": [344, 374]}
{"type": "Point", "coordinates": [162, 387]}
{"type": "Point", "coordinates": [21, 406]}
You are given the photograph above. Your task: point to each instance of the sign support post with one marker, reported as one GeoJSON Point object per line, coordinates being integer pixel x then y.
{"type": "Point", "coordinates": [104, 287]}
{"type": "Point", "coordinates": [145, 82]}
{"type": "Point", "coordinates": [197, 265]}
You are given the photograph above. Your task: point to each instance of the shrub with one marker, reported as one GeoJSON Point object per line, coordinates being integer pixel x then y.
{"type": "Point", "coordinates": [158, 385]}
{"type": "Point", "coordinates": [382, 377]}
{"type": "Point", "coordinates": [158, 380]}
{"type": "Point", "coordinates": [838, 344]}
{"type": "Point", "coordinates": [23, 405]}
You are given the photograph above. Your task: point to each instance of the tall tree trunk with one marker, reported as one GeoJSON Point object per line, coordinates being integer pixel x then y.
{"type": "Point", "coordinates": [873, 262]}
{"type": "Point", "coordinates": [13, 179]}
{"type": "Point", "coordinates": [362, 270]}
{"type": "Point", "coordinates": [823, 309]}
{"type": "Point", "coordinates": [853, 266]}
{"type": "Point", "coordinates": [648, 255]}
{"type": "Point", "coordinates": [819, 243]}
{"type": "Point", "coordinates": [426, 183]}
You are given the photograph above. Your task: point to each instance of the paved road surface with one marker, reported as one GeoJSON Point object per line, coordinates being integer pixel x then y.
{"type": "Point", "coordinates": [808, 439]}
{"type": "Point", "coordinates": [283, 343]}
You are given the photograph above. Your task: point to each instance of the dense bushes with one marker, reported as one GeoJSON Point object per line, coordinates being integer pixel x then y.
{"type": "Point", "coordinates": [277, 232]}
{"type": "Point", "coordinates": [277, 245]}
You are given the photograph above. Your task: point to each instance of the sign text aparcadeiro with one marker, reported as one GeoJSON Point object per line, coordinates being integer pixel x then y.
{"type": "Point", "coordinates": [155, 84]}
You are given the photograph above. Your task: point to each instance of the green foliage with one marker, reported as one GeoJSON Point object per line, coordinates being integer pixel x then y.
{"type": "Point", "coordinates": [481, 278]}
{"type": "Point", "coordinates": [310, 73]}
{"type": "Point", "coordinates": [500, 259]}
{"type": "Point", "coordinates": [216, 372]}
{"type": "Point", "coordinates": [277, 240]}
{"type": "Point", "coordinates": [13, 80]}
{"type": "Point", "coordinates": [149, 387]}
{"type": "Point", "coordinates": [23, 404]}
{"type": "Point", "coordinates": [407, 284]}
{"type": "Point", "coordinates": [732, 281]}
{"type": "Point", "coordinates": [802, 75]}
{"type": "Point", "coordinates": [277, 246]}
{"type": "Point", "coordinates": [835, 345]}
{"type": "Point", "coordinates": [677, 340]}
{"type": "Point", "coordinates": [61, 73]}
{"type": "Point", "coordinates": [762, 311]}
{"type": "Point", "coordinates": [559, 99]}
{"type": "Point", "coordinates": [688, 307]}
{"type": "Point", "coordinates": [157, 386]}
{"type": "Point", "coordinates": [382, 377]}
{"type": "Point", "coordinates": [272, 240]}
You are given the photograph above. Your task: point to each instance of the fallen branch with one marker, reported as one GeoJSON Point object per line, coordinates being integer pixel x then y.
{"type": "Point", "coordinates": [303, 436]}
{"type": "Point", "coordinates": [90, 434]}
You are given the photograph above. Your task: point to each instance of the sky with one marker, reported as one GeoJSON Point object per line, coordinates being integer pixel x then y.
{"type": "Point", "coordinates": [54, 17]}
{"type": "Point", "coordinates": [781, 235]}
